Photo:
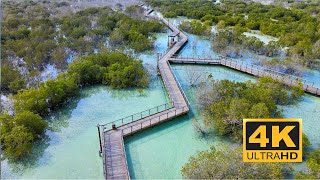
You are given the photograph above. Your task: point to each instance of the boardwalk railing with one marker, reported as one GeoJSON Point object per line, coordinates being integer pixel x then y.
{"type": "Point", "coordinates": [256, 71]}
{"type": "Point", "coordinates": [167, 86]}
{"type": "Point", "coordinates": [126, 120]}
{"type": "Point", "coordinates": [164, 53]}
{"type": "Point", "coordinates": [261, 68]}
{"type": "Point", "coordinates": [252, 66]}
{"type": "Point", "coordinates": [171, 113]}
{"type": "Point", "coordinates": [137, 116]}
{"type": "Point", "coordinates": [179, 85]}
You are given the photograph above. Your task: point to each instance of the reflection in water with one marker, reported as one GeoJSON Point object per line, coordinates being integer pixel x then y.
{"type": "Point", "coordinates": [31, 160]}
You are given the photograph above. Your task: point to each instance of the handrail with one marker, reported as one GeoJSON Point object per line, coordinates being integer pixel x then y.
{"type": "Point", "coordinates": [156, 118]}
{"type": "Point", "coordinates": [169, 110]}
{"type": "Point", "coordinates": [168, 86]}
{"type": "Point", "coordinates": [125, 156]}
{"type": "Point", "coordinates": [259, 71]}
{"type": "Point", "coordinates": [261, 68]}
{"type": "Point", "coordinates": [179, 85]}
{"type": "Point", "coordinates": [139, 115]}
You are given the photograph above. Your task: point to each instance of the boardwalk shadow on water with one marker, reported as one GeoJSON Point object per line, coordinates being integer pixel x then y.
{"type": "Point", "coordinates": [146, 135]}
{"type": "Point", "coordinates": [156, 132]}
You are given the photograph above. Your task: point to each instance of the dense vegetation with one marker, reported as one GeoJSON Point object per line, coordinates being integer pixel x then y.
{"type": "Point", "coordinates": [35, 34]}
{"type": "Point", "coordinates": [18, 131]}
{"type": "Point", "coordinates": [232, 41]}
{"type": "Point", "coordinates": [196, 27]}
{"type": "Point", "coordinates": [313, 167]}
{"type": "Point", "coordinates": [226, 163]}
{"type": "Point", "coordinates": [227, 103]}
{"type": "Point", "coordinates": [297, 27]}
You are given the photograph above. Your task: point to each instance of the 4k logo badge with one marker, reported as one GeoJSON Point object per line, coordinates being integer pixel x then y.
{"type": "Point", "coordinates": [272, 140]}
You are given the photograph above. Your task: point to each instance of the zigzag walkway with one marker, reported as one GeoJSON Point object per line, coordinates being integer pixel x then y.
{"type": "Point", "coordinates": [111, 140]}
{"type": "Point", "coordinates": [111, 135]}
{"type": "Point", "coordinates": [254, 70]}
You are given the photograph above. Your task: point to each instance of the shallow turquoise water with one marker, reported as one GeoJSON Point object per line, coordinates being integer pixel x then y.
{"type": "Point", "coordinates": [144, 152]}
{"type": "Point", "coordinates": [71, 150]}
{"type": "Point", "coordinates": [309, 111]}
{"type": "Point", "coordinates": [161, 152]}
{"type": "Point", "coordinates": [200, 46]}
{"type": "Point", "coordinates": [71, 147]}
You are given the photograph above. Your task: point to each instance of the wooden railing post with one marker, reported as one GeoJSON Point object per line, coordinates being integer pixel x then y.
{"type": "Point", "coordinates": [100, 141]}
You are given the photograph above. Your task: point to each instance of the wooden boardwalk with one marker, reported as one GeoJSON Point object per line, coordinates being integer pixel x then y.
{"type": "Point", "coordinates": [111, 139]}
{"type": "Point", "coordinates": [112, 147]}
{"type": "Point", "coordinates": [253, 70]}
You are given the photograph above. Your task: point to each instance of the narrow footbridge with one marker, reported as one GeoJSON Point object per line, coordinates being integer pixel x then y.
{"type": "Point", "coordinates": [111, 135]}
{"type": "Point", "coordinates": [254, 70]}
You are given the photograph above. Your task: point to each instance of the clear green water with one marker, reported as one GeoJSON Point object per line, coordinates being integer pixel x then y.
{"type": "Point", "coordinates": [201, 46]}
{"type": "Point", "coordinates": [72, 144]}
{"type": "Point", "coordinates": [309, 111]}
{"type": "Point", "coordinates": [71, 149]}
{"type": "Point", "coordinates": [161, 152]}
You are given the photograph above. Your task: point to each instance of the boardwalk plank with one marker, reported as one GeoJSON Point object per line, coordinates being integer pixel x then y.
{"type": "Point", "coordinates": [113, 151]}
{"type": "Point", "coordinates": [114, 156]}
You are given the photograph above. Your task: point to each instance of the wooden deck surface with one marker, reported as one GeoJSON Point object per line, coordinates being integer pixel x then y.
{"type": "Point", "coordinates": [113, 151]}
{"type": "Point", "coordinates": [250, 69]}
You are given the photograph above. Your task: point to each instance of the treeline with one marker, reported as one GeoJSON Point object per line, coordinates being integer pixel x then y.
{"type": "Point", "coordinates": [232, 42]}
{"type": "Point", "coordinates": [224, 162]}
{"type": "Point", "coordinates": [134, 33]}
{"type": "Point", "coordinates": [196, 27]}
{"type": "Point", "coordinates": [296, 28]}
{"type": "Point", "coordinates": [227, 103]}
{"type": "Point", "coordinates": [34, 36]}
{"type": "Point", "coordinates": [313, 167]}
{"type": "Point", "coordinates": [18, 131]}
